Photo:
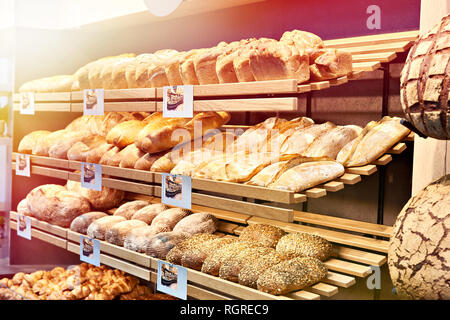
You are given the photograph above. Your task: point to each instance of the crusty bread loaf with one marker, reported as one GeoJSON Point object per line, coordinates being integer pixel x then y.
{"type": "Point", "coordinates": [200, 222]}
{"type": "Point", "coordinates": [262, 234]}
{"type": "Point", "coordinates": [43, 146]}
{"type": "Point", "coordinates": [118, 232]}
{"type": "Point", "coordinates": [125, 158]}
{"type": "Point", "coordinates": [224, 64]}
{"type": "Point", "coordinates": [172, 69]}
{"type": "Point", "coordinates": [169, 218]}
{"type": "Point", "coordinates": [147, 160]}
{"type": "Point", "coordinates": [108, 158]}
{"type": "Point", "coordinates": [118, 75]}
{"type": "Point", "coordinates": [128, 209]}
{"type": "Point", "coordinates": [136, 72]}
{"type": "Point", "coordinates": [267, 174]}
{"type": "Point", "coordinates": [80, 150]}
{"type": "Point", "coordinates": [304, 245]}
{"type": "Point", "coordinates": [329, 63]}
{"type": "Point", "coordinates": [22, 208]}
{"type": "Point", "coordinates": [229, 270]}
{"type": "Point", "coordinates": [195, 241]}
{"type": "Point", "coordinates": [98, 228]}
{"type": "Point", "coordinates": [125, 133]}
{"type": "Point", "coordinates": [160, 244]}
{"type": "Point", "coordinates": [59, 83]}
{"type": "Point", "coordinates": [205, 64]}
{"type": "Point", "coordinates": [56, 205]}
{"type": "Point", "coordinates": [303, 40]}
{"type": "Point", "coordinates": [100, 200]}
{"type": "Point", "coordinates": [149, 212]}
{"type": "Point", "coordinates": [81, 223]}
{"type": "Point", "coordinates": [29, 141]}
{"type": "Point", "coordinates": [299, 141]}
{"type": "Point", "coordinates": [291, 275]}
{"type": "Point", "coordinates": [250, 270]}
{"type": "Point", "coordinates": [187, 69]}
{"type": "Point", "coordinates": [138, 238]}
{"type": "Point", "coordinates": [62, 146]}
{"type": "Point", "coordinates": [95, 70]}
{"type": "Point", "coordinates": [157, 72]}
{"type": "Point", "coordinates": [95, 154]}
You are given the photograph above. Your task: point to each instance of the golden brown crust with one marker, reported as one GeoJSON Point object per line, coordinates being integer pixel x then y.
{"type": "Point", "coordinates": [262, 234]}
{"type": "Point", "coordinates": [304, 245]}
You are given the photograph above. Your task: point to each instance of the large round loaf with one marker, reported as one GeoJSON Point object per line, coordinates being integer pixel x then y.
{"type": "Point", "coordinates": [118, 232]}
{"type": "Point", "coordinates": [81, 223]}
{"type": "Point", "coordinates": [148, 213]}
{"type": "Point", "coordinates": [200, 222]}
{"type": "Point", "coordinates": [56, 205]}
{"type": "Point", "coordinates": [100, 200]}
{"type": "Point", "coordinates": [263, 234]}
{"type": "Point", "coordinates": [305, 245]}
{"type": "Point", "coordinates": [168, 219]}
{"type": "Point", "coordinates": [99, 227]}
{"type": "Point", "coordinates": [291, 275]}
{"type": "Point", "coordinates": [22, 208]}
{"type": "Point", "coordinates": [127, 210]}
{"type": "Point", "coordinates": [160, 244]}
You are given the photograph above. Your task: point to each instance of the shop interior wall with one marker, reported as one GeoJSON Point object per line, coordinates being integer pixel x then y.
{"type": "Point", "coordinates": [41, 53]}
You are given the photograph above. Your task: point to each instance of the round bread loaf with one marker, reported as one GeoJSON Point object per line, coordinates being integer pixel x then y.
{"type": "Point", "coordinates": [160, 244]}
{"type": "Point", "coordinates": [200, 222]}
{"type": "Point", "coordinates": [127, 210]}
{"type": "Point", "coordinates": [99, 227]}
{"type": "Point", "coordinates": [168, 219]}
{"type": "Point", "coordinates": [81, 223]}
{"type": "Point", "coordinates": [291, 275]}
{"type": "Point", "coordinates": [54, 204]}
{"type": "Point", "coordinates": [148, 213]}
{"type": "Point", "coordinates": [100, 200]}
{"type": "Point", "coordinates": [197, 240]}
{"type": "Point", "coordinates": [22, 208]}
{"type": "Point", "coordinates": [118, 232]}
{"type": "Point", "coordinates": [262, 234]}
{"type": "Point", "coordinates": [137, 239]}
{"type": "Point", "coordinates": [304, 245]}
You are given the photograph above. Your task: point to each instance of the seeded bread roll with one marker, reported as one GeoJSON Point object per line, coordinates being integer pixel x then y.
{"type": "Point", "coordinates": [305, 245]}
{"type": "Point", "coordinates": [138, 239]}
{"type": "Point", "coordinates": [160, 244]}
{"type": "Point", "coordinates": [200, 222]}
{"type": "Point", "coordinates": [81, 224]}
{"type": "Point", "coordinates": [229, 270]}
{"type": "Point", "coordinates": [213, 262]}
{"type": "Point", "coordinates": [194, 257]}
{"type": "Point", "coordinates": [250, 270]}
{"type": "Point", "coordinates": [117, 233]}
{"type": "Point", "coordinates": [291, 275]}
{"type": "Point", "coordinates": [148, 213]}
{"type": "Point", "coordinates": [263, 234]}
{"type": "Point", "coordinates": [127, 210]}
{"type": "Point", "coordinates": [168, 219]}
{"type": "Point", "coordinates": [99, 227]}
{"type": "Point", "coordinates": [174, 256]}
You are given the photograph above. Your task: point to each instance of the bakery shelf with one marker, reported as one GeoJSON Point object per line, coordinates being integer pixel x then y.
{"type": "Point", "coordinates": [368, 52]}
{"type": "Point", "coordinates": [352, 254]}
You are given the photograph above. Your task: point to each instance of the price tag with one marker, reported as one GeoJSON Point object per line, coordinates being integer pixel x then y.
{"type": "Point", "coordinates": [176, 190]}
{"type": "Point", "coordinates": [178, 101]}
{"type": "Point", "coordinates": [23, 165]}
{"type": "Point", "coordinates": [172, 279]}
{"type": "Point", "coordinates": [24, 226]}
{"type": "Point", "coordinates": [91, 176]}
{"type": "Point", "coordinates": [90, 250]}
{"type": "Point", "coordinates": [94, 102]}
{"type": "Point", "coordinates": [27, 103]}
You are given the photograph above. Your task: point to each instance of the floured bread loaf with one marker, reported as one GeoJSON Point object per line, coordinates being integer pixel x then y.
{"type": "Point", "coordinates": [304, 245]}
{"type": "Point", "coordinates": [200, 222]}
{"type": "Point", "coordinates": [81, 223]}
{"type": "Point", "coordinates": [128, 209]}
{"type": "Point", "coordinates": [105, 76]}
{"type": "Point", "coordinates": [62, 146]}
{"type": "Point", "coordinates": [100, 200]}
{"type": "Point", "coordinates": [299, 141]}
{"type": "Point", "coordinates": [308, 175]}
{"type": "Point", "coordinates": [117, 233]}
{"type": "Point", "coordinates": [262, 234]}
{"type": "Point", "coordinates": [160, 244]}
{"type": "Point", "coordinates": [31, 140]}
{"type": "Point", "coordinates": [267, 174]}
{"type": "Point", "coordinates": [80, 150]}
{"type": "Point", "coordinates": [98, 228]}
{"type": "Point", "coordinates": [149, 212]}
{"type": "Point", "coordinates": [168, 219]}
{"type": "Point", "coordinates": [22, 208]}
{"type": "Point", "coordinates": [119, 73]}
{"type": "Point", "coordinates": [138, 238]}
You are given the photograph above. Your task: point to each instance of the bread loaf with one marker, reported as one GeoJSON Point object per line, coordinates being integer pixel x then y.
{"type": "Point", "coordinates": [95, 155]}
{"type": "Point", "coordinates": [29, 142]}
{"type": "Point", "coordinates": [59, 83]}
{"type": "Point", "coordinates": [118, 232]}
{"type": "Point", "coordinates": [229, 270]}
{"type": "Point", "coordinates": [200, 222]}
{"type": "Point", "coordinates": [187, 69]}
{"type": "Point", "coordinates": [250, 270]}
{"type": "Point", "coordinates": [129, 156]}
{"type": "Point", "coordinates": [108, 158]}
{"type": "Point", "coordinates": [137, 239]}
{"type": "Point", "coordinates": [98, 228]}
{"type": "Point", "coordinates": [22, 208]}
{"type": "Point", "coordinates": [195, 241]}
{"type": "Point", "coordinates": [125, 133]}
{"type": "Point", "coordinates": [81, 223]}
{"type": "Point", "coordinates": [194, 257]}
{"type": "Point", "coordinates": [119, 73]}
{"type": "Point", "coordinates": [157, 72]}
{"type": "Point", "coordinates": [168, 219]}
{"type": "Point", "coordinates": [205, 64]}
{"type": "Point", "coordinates": [147, 160]}
{"type": "Point", "coordinates": [100, 200]}
{"type": "Point", "coordinates": [42, 147]}
{"type": "Point", "coordinates": [128, 209]}
{"type": "Point", "coordinates": [299, 141]}
{"type": "Point", "coordinates": [95, 70]}
{"type": "Point", "coordinates": [303, 40]}
{"type": "Point", "coordinates": [149, 212]}
{"type": "Point", "coordinates": [56, 205]}
{"type": "Point", "coordinates": [60, 148]}
{"type": "Point", "coordinates": [347, 151]}
{"type": "Point", "coordinates": [291, 275]}
{"type": "Point", "coordinates": [80, 150]}
{"type": "Point", "coordinates": [304, 245]}
{"type": "Point", "coordinates": [264, 177]}
{"type": "Point", "coordinates": [172, 69]}
{"type": "Point", "coordinates": [262, 234]}
{"type": "Point", "coordinates": [160, 244]}
{"type": "Point", "coordinates": [329, 63]}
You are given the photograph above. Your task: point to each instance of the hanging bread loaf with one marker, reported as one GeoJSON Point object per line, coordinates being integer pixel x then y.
{"type": "Point", "coordinates": [118, 232]}
{"type": "Point", "coordinates": [128, 209]}
{"type": "Point", "coordinates": [98, 228]}
{"type": "Point", "coordinates": [149, 212]}
{"type": "Point", "coordinates": [304, 245]}
{"type": "Point", "coordinates": [81, 223]}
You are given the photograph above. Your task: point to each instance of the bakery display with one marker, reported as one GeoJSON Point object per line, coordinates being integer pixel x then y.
{"type": "Point", "coordinates": [79, 282]}
{"type": "Point", "coordinates": [81, 223]}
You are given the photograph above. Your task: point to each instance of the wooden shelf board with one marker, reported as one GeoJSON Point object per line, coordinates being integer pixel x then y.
{"type": "Point", "coordinates": [383, 160]}
{"type": "Point", "coordinates": [383, 57]}
{"type": "Point", "coordinates": [372, 39]}
{"type": "Point", "coordinates": [340, 280]}
{"type": "Point", "coordinates": [333, 186]}
{"type": "Point", "coordinates": [398, 148]}
{"type": "Point", "coordinates": [366, 66]}
{"type": "Point", "coordinates": [316, 193]}
{"type": "Point", "coordinates": [122, 106]}
{"type": "Point", "coordinates": [399, 46]}
{"type": "Point", "coordinates": [47, 106]}
{"type": "Point", "coordinates": [348, 267]}
{"type": "Point", "coordinates": [47, 97]}
{"type": "Point", "coordinates": [121, 94]}
{"type": "Point", "coordinates": [41, 235]}
{"type": "Point", "coordinates": [359, 256]}
{"type": "Point", "coordinates": [366, 170]}
{"type": "Point", "coordinates": [324, 289]}
{"type": "Point", "coordinates": [349, 178]}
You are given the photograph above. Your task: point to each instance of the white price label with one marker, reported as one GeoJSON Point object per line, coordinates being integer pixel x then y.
{"type": "Point", "coordinates": [24, 226]}
{"type": "Point", "coordinates": [23, 165]}
{"type": "Point", "coordinates": [91, 176]}
{"type": "Point", "coordinates": [94, 102]}
{"type": "Point", "coordinates": [178, 101]}
{"type": "Point", "coordinates": [176, 190]}
{"type": "Point", "coordinates": [27, 103]}
{"type": "Point", "coordinates": [90, 250]}
{"type": "Point", "coordinates": [172, 279]}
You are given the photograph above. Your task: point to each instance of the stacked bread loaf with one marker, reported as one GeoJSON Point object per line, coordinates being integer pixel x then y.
{"type": "Point", "coordinates": [297, 55]}
{"type": "Point", "coordinates": [262, 257]}
{"type": "Point", "coordinates": [80, 282]}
